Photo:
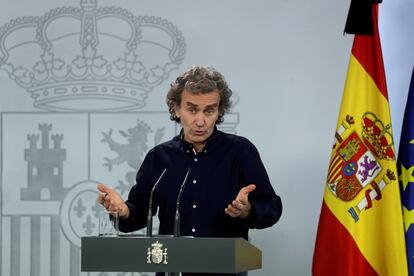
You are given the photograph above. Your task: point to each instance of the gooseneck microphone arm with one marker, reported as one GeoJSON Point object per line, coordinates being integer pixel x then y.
{"type": "Point", "coordinates": [149, 217]}
{"type": "Point", "coordinates": [177, 220]}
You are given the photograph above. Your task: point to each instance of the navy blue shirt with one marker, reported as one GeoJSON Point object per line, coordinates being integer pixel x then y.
{"type": "Point", "coordinates": [227, 163]}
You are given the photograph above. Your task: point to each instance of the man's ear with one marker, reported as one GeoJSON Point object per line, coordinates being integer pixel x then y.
{"type": "Point", "coordinates": [176, 111]}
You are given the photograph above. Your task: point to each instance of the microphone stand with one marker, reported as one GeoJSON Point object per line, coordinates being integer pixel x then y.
{"type": "Point", "coordinates": [149, 217]}
{"type": "Point", "coordinates": [177, 220]}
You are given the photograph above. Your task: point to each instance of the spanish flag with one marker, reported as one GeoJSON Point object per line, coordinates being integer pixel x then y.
{"type": "Point", "coordinates": [405, 172]}
{"type": "Point", "coordinates": [361, 230]}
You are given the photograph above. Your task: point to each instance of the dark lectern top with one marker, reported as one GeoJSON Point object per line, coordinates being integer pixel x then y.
{"type": "Point", "coordinates": [169, 254]}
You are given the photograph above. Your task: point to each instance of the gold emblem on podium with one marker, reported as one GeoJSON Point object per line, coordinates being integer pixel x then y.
{"type": "Point", "coordinates": [156, 254]}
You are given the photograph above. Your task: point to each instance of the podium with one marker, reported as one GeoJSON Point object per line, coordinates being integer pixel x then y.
{"type": "Point", "coordinates": [169, 254]}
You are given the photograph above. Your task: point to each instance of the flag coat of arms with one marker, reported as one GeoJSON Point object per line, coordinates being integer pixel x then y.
{"type": "Point", "coordinates": [360, 228]}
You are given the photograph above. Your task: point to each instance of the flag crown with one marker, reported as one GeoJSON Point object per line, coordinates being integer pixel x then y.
{"type": "Point", "coordinates": [378, 136]}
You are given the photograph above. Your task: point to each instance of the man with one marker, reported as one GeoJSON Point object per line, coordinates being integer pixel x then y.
{"type": "Point", "coordinates": [227, 191]}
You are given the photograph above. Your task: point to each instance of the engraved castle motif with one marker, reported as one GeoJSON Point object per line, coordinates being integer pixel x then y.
{"type": "Point", "coordinates": [45, 166]}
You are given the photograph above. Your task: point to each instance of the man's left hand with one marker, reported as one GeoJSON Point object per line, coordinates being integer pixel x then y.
{"type": "Point", "coordinates": [241, 207]}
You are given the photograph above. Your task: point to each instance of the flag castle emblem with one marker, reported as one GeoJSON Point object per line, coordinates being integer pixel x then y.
{"type": "Point", "coordinates": [356, 162]}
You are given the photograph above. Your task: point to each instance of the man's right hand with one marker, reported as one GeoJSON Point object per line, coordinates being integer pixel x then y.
{"type": "Point", "coordinates": [112, 201]}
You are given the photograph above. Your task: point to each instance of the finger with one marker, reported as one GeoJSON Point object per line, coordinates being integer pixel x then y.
{"type": "Point", "coordinates": [106, 204]}
{"type": "Point", "coordinates": [231, 211]}
{"type": "Point", "coordinates": [101, 198]}
{"type": "Point", "coordinates": [236, 208]}
{"type": "Point", "coordinates": [105, 193]}
{"type": "Point", "coordinates": [243, 194]}
{"type": "Point", "coordinates": [248, 189]}
{"type": "Point", "coordinates": [238, 205]}
{"type": "Point", "coordinates": [112, 208]}
{"type": "Point", "coordinates": [103, 188]}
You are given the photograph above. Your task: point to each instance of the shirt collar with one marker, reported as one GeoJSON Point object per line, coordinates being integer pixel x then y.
{"type": "Point", "coordinates": [210, 142]}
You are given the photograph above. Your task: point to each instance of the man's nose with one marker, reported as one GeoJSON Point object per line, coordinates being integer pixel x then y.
{"type": "Point", "coordinates": [200, 120]}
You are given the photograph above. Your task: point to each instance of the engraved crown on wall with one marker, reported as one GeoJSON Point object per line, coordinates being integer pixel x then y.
{"type": "Point", "coordinates": [75, 59]}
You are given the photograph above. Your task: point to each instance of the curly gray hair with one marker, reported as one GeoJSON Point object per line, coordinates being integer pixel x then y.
{"type": "Point", "coordinates": [199, 79]}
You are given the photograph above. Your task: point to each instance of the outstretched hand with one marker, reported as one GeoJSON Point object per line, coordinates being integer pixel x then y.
{"type": "Point", "coordinates": [112, 201]}
{"type": "Point", "coordinates": [241, 207]}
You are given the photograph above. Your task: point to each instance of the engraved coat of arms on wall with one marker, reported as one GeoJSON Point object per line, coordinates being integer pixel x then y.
{"type": "Point", "coordinates": [89, 71]}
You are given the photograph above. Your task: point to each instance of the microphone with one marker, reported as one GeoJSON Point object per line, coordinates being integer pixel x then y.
{"type": "Point", "coordinates": [177, 220]}
{"type": "Point", "coordinates": [149, 217]}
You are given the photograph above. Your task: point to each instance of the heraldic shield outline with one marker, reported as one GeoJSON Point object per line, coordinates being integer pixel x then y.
{"type": "Point", "coordinates": [54, 162]}
{"type": "Point", "coordinates": [355, 170]}
{"type": "Point", "coordinates": [52, 204]}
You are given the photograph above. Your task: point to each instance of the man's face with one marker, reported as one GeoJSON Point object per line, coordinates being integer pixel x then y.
{"type": "Point", "coordinates": [198, 114]}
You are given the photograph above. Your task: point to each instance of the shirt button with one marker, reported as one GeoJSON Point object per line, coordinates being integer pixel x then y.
{"type": "Point", "coordinates": [205, 151]}
{"type": "Point", "coordinates": [195, 159]}
{"type": "Point", "coordinates": [188, 151]}
{"type": "Point", "coordinates": [193, 230]}
{"type": "Point", "coordinates": [194, 181]}
{"type": "Point", "coordinates": [194, 206]}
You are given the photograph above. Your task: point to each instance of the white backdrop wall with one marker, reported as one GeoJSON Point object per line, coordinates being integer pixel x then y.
{"type": "Point", "coordinates": [285, 60]}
